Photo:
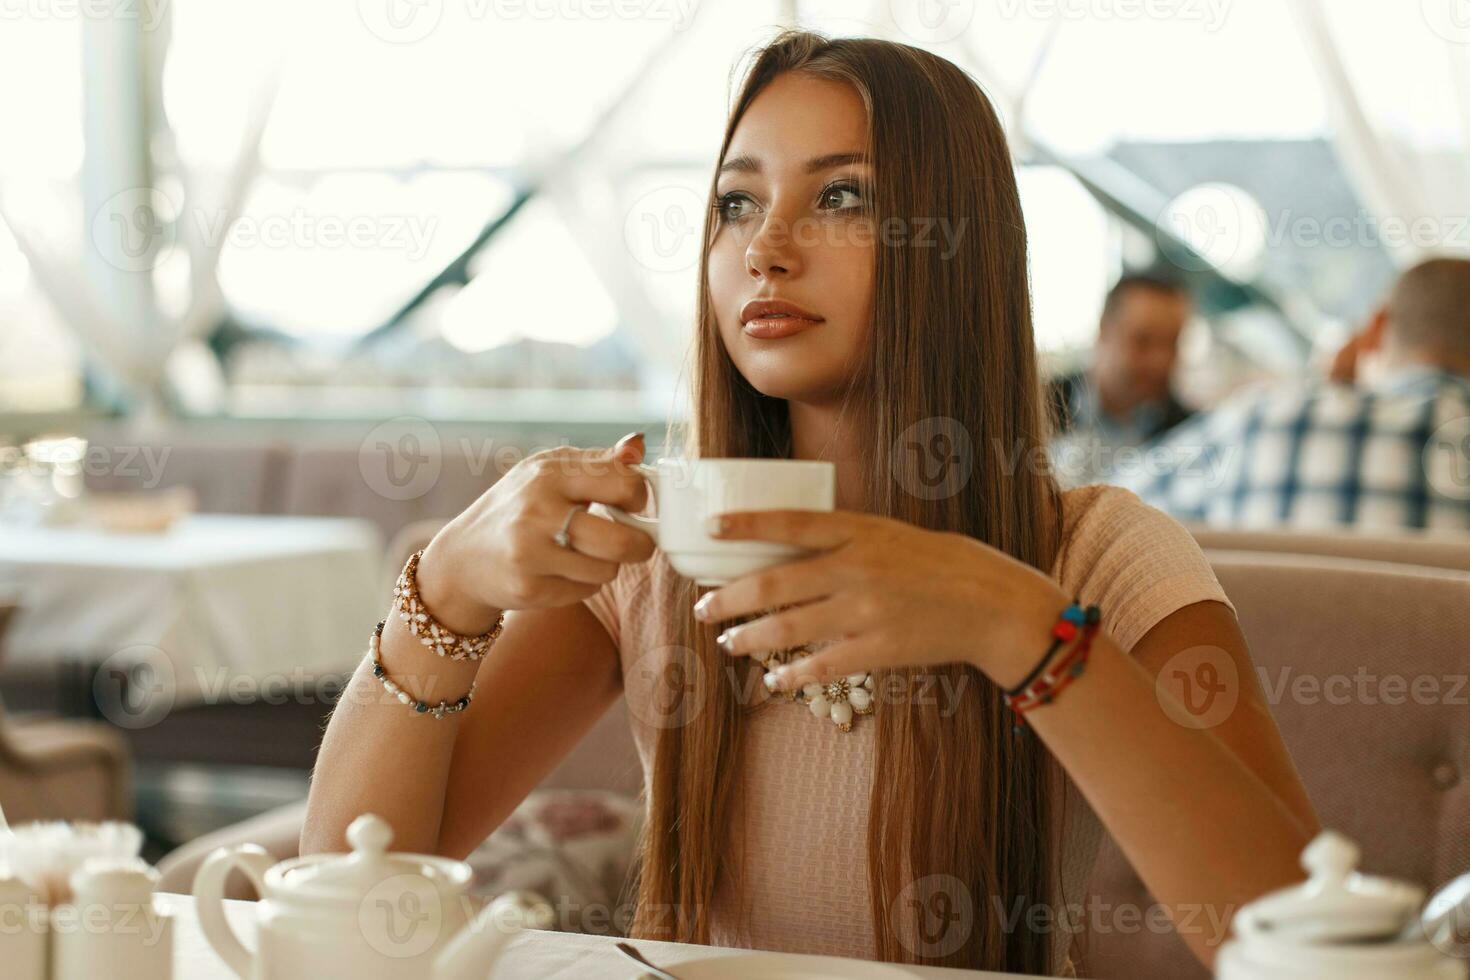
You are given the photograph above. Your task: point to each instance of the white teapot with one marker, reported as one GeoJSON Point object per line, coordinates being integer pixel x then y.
{"type": "Point", "coordinates": [368, 915]}
{"type": "Point", "coordinates": [1342, 925]}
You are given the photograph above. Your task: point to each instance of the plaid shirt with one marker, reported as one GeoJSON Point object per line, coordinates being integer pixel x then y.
{"type": "Point", "coordinates": [1394, 454]}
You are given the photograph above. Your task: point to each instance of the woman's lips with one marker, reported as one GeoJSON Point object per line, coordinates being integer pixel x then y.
{"type": "Point", "coordinates": [776, 327]}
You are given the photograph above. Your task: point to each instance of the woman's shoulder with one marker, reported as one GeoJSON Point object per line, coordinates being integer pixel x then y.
{"type": "Point", "coordinates": [1132, 559]}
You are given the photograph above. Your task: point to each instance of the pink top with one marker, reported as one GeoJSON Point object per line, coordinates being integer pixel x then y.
{"type": "Point", "coordinates": [806, 812]}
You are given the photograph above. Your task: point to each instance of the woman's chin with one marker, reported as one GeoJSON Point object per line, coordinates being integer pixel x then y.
{"type": "Point", "coordinates": [795, 386]}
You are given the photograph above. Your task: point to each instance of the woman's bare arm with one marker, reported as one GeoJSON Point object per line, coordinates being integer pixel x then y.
{"type": "Point", "coordinates": [445, 784]}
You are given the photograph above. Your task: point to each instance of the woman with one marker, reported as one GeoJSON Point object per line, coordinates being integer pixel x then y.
{"type": "Point", "coordinates": [868, 185]}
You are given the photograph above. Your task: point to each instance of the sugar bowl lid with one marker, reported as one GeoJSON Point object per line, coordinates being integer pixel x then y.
{"type": "Point", "coordinates": [370, 867]}
{"type": "Point", "coordinates": [1336, 904]}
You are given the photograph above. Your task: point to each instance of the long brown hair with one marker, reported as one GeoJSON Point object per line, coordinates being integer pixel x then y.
{"type": "Point", "coordinates": [952, 345]}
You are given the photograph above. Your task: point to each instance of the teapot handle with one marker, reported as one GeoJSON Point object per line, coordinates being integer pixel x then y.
{"type": "Point", "coordinates": [209, 896]}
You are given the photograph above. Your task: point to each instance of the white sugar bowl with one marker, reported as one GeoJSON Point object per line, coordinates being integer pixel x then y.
{"type": "Point", "coordinates": [1343, 925]}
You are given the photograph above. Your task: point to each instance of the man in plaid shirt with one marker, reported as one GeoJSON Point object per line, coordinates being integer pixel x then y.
{"type": "Point", "coordinates": [1393, 452]}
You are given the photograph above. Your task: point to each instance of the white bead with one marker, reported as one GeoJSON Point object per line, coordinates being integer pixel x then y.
{"type": "Point", "coordinates": [868, 682]}
{"type": "Point", "coordinates": [842, 713]}
{"type": "Point", "coordinates": [403, 697]}
{"type": "Point", "coordinates": [856, 679]}
{"type": "Point", "coordinates": [421, 617]}
{"type": "Point", "coordinates": [770, 681]}
{"type": "Point", "coordinates": [813, 690]}
{"type": "Point", "coordinates": [859, 698]}
{"type": "Point", "coordinates": [819, 706]}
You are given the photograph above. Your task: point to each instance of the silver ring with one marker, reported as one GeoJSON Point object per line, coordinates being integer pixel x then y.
{"type": "Point", "coordinates": [562, 537]}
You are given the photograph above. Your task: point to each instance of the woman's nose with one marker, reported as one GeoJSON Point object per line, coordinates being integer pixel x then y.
{"type": "Point", "coordinates": [772, 252]}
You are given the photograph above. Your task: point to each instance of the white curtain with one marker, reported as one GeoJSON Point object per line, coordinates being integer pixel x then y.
{"type": "Point", "coordinates": [1396, 77]}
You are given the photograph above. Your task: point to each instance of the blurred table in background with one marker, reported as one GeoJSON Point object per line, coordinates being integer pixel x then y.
{"type": "Point", "coordinates": [216, 648]}
{"type": "Point", "coordinates": [219, 606]}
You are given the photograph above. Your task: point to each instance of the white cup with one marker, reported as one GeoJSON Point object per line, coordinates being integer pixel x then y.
{"type": "Point", "coordinates": [687, 491]}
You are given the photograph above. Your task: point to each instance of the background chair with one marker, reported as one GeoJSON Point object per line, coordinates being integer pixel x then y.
{"type": "Point", "coordinates": [55, 769]}
{"type": "Point", "coordinates": [1438, 549]}
{"type": "Point", "coordinates": [1384, 761]}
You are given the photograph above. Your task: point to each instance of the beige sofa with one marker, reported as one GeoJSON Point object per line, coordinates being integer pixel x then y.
{"type": "Point", "coordinates": [1393, 776]}
{"type": "Point", "coordinates": [60, 769]}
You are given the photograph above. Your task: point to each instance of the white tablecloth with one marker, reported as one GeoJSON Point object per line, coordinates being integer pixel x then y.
{"type": "Point", "coordinates": [531, 955]}
{"type": "Point", "coordinates": [221, 607]}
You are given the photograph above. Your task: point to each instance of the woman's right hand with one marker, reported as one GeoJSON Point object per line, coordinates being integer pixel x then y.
{"type": "Point", "coordinates": [500, 553]}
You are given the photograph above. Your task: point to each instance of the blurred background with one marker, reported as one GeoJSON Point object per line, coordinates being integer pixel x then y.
{"type": "Point", "coordinates": [282, 285]}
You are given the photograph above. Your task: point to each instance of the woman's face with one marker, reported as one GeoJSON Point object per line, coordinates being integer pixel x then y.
{"type": "Point", "coordinates": [792, 227]}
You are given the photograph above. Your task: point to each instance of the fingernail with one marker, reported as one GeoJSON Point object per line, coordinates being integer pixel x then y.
{"type": "Point", "coordinates": [701, 608]}
{"type": "Point", "coordinates": [724, 641]}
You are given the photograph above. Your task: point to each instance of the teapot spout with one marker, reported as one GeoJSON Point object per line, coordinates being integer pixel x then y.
{"type": "Point", "coordinates": [471, 954]}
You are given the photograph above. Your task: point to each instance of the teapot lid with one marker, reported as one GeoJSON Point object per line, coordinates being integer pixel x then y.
{"type": "Point", "coordinates": [1335, 903]}
{"type": "Point", "coordinates": [369, 868]}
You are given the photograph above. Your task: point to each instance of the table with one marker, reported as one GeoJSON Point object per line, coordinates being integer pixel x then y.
{"type": "Point", "coordinates": [220, 608]}
{"type": "Point", "coordinates": [532, 955]}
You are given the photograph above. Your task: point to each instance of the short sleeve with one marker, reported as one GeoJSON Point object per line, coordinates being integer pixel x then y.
{"type": "Point", "coordinates": [1132, 560]}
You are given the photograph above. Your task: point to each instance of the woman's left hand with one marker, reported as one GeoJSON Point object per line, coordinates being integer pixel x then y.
{"type": "Point", "coordinates": [883, 593]}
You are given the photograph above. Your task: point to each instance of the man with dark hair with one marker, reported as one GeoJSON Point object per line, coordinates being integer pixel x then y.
{"type": "Point", "coordinates": [1383, 442]}
{"type": "Point", "coordinates": [1124, 398]}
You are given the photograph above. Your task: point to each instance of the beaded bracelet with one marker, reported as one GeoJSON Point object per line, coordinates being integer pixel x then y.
{"type": "Point", "coordinates": [422, 707]}
{"type": "Point", "coordinates": [444, 642]}
{"type": "Point", "coordinates": [1043, 689]}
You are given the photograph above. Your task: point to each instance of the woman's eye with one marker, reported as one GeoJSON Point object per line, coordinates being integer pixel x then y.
{"type": "Point", "coordinates": [846, 196]}
{"type": "Point", "coordinates": [730, 206]}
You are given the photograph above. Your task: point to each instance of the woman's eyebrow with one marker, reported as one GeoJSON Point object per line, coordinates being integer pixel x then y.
{"type": "Point", "coordinates": [746, 164]}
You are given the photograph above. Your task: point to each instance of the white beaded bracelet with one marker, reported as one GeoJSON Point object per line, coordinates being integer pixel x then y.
{"type": "Point", "coordinates": [422, 707]}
